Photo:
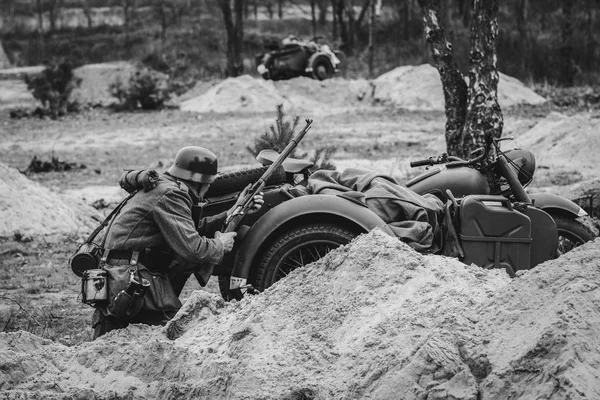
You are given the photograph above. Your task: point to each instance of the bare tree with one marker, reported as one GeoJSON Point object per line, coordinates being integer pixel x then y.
{"type": "Point", "coordinates": [323, 6]}
{"type": "Point", "coordinates": [39, 10]}
{"type": "Point", "coordinates": [313, 17]}
{"type": "Point", "coordinates": [87, 11]}
{"type": "Point", "coordinates": [128, 7]}
{"type": "Point", "coordinates": [54, 7]}
{"type": "Point", "coordinates": [522, 11]}
{"type": "Point", "coordinates": [169, 12]}
{"type": "Point", "coordinates": [568, 69]}
{"type": "Point", "coordinates": [473, 115]}
{"type": "Point", "coordinates": [234, 26]}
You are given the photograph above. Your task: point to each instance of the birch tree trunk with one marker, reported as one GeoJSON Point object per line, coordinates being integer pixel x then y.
{"type": "Point", "coordinates": [453, 83]}
{"type": "Point", "coordinates": [484, 116]}
{"type": "Point", "coordinates": [473, 115]}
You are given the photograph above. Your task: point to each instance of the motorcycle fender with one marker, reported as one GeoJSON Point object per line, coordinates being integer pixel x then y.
{"type": "Point", "coordinates": [549, 202]}
{"type": "Point", "coordinates": [334, 60]}
{"type": "Point", "coordinates": [303, 206]}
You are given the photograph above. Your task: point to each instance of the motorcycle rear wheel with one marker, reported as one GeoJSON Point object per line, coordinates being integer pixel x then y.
{"type": "Point", "coordinates": [571, 233]}
{"type": "Point", "coordinates": [298, 247]}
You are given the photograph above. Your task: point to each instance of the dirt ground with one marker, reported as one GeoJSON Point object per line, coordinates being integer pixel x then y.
{"type": "Point", "coordinates": [372, 320]}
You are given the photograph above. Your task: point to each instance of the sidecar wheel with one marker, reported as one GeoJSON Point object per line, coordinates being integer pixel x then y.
{"type": "Point", "coordinates": [322, 68]}
{"type": "Point", "coordinates": [298, 247]}
{"type": "Point", "coordinates": [571, 233]}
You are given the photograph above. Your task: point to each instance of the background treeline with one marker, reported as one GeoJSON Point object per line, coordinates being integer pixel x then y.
{"type": "Point", "coordinates": [554, 41]}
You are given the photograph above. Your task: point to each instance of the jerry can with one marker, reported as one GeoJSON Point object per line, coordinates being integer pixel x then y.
{"type": "Point", "coordinates": [493, 234]}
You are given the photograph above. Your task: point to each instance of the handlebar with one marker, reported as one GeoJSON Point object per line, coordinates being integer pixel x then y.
{"type": "Point", "coordinates": [430, 161]}
{"type": "Point", "coordinates": [450, 161]}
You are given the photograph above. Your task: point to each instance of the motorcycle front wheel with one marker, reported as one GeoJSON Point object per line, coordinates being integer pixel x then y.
{"type": "Point", "coordinates": [298, 247]}
{"type": "Point", "coordinates": [571, 234]}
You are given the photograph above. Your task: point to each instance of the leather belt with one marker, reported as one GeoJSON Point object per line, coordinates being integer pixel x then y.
{"type": "Point", "coordinates": [152, 259]}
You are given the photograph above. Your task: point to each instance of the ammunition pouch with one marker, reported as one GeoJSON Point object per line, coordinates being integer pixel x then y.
{"type": "Point", "coordinates": [133, 287]}
{"type": "Point", "coordinates": [129, 301]}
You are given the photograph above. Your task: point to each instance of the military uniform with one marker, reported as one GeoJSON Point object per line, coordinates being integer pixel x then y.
{"type": "Point", "coordinates": [161, 219]}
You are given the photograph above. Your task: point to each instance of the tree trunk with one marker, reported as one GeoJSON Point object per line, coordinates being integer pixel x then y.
{"type": "Point", "coordinates": [322, 4]}
{"type": "Point", "coordinates": [340, 5]}
{"type": "Point", "coordinates": [473, 116]}
{"type": "Point", "coordinates": [371, 59]}
{"type": "Point", "coordinates": [352, 28]}
{"type": "Point", "coordinates": [406, 17]}
{"type": "Point", "coordinates": [40, 17]}
{"type": "Point", "coordinates": [453, 83]}
{"type": "Point", "coordinates": [313, 17]}
{"type": "Point", "coordinates": [484, 116]}
{"type": "Point", "coordinates": [567, 73]}
{"type": "Point", "coordinates": [53, 11]}
{"type": "Point", "coordinates": [334, 26]}
{"type": "Point", "coordinates": [363, 11]}
{"type": "Point", "coordinates": [522, 10]}
{"type": "Point", "coordinates": [235, 35]}
{"type": "Point", "coordinates": [280, 9]}
{"type": "Point", "coordinates": [87, 11]}
{"type": "Point", "coordinates": [126, 4]}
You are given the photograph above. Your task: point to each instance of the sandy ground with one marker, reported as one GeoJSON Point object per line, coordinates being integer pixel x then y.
{"type": "Point", "coordinates": [372, 320]}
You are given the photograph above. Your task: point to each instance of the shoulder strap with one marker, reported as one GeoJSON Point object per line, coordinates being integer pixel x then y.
{"type": "Point", "coordinates": [108, 218]}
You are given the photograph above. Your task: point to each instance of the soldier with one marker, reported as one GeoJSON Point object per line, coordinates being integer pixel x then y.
{"type": "Point", "coordinates": [157, 226]}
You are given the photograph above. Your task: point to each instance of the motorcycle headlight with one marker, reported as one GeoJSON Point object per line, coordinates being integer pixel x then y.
{"type": "Point", "coordinates": [523, 164]}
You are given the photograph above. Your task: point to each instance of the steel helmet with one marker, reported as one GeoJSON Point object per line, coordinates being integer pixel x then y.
{"type": "Point", "coordinates": [523, 163]}
{"type": "Point", "coordinates": [196, 164]}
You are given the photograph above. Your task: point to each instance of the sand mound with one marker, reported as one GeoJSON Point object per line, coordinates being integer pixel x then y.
{"type": "Point", "coordinates": [371, 320]}
{"type": "Point", "coordinates": [14, 93]}
{"type": "Point", "coordinates": [563, 142]}
{"type": "Point", "coordinates": [30, 209]}
{"type": "Point", "coordinates": [248, 94]}
{"type": "Point", "coordinates": [96, 78]}
{"type": "Point", "coordinates": [420, 88]}
{"type": "Point", "coordinates": [241, 94]}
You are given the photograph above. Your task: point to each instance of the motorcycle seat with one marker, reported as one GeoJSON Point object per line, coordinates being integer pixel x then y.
{"type": "Point", "coordinates": [290, 165]}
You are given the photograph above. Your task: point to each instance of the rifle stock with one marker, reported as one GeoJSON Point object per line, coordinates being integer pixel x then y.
{"type": "Point", "coordinates": [233, 220]}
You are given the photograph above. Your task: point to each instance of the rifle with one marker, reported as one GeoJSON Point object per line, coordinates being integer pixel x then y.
{"type": "Point", "coordinates": [233, 220]}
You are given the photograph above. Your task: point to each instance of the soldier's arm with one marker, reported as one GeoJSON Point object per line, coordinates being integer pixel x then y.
{"type": "Point", "coordinates": [209, 225]}
{"type": "Point", "coordinates": [172, 214]}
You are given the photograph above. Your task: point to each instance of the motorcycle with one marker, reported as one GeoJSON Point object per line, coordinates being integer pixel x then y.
{"type": "Point", "coordinates": [499, 224]}
{"type": "Point", "coordinates": [494, 172]}
{"type": "Point", "coordinates": [298, 58]}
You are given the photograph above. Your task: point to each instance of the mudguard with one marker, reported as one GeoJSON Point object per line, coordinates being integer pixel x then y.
{"type": "Point", "coordinates": [549, 202]}
{"type": "Point", "coordinates": [333, 60]}
{"type": "Point", "coordinates": [312, 206]}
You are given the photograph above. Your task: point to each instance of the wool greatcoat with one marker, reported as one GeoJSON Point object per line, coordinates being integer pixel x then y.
{"type": "Point", "coordinates": [161, 219]}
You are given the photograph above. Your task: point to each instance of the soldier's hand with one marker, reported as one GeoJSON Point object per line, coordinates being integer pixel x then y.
{"type": "Point", "coordinates": [227, 239]}
{"type": "Point", "coordinates": [257, 203]}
